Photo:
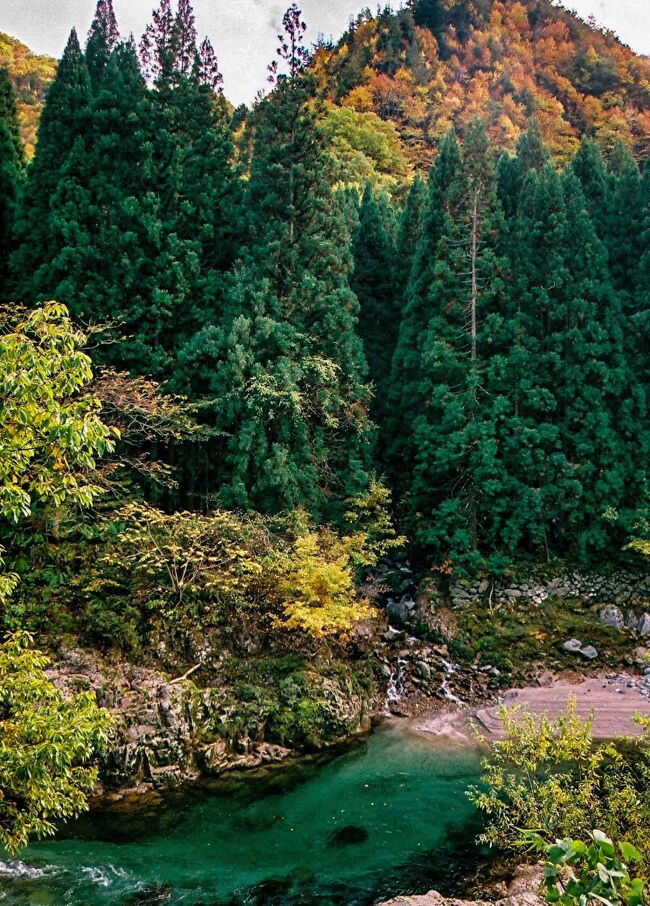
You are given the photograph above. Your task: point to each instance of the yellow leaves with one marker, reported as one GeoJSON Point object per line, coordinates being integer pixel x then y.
{"type": "Point", "coordinates": [319, 585]}
{"type": "Point", "coordinates": [292, 575]}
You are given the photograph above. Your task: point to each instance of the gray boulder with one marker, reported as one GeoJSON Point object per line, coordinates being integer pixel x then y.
{"type": "Point", "coordinates": [589, 652]}
{"type": "Point", "coordinates": [644, 625]}
{"type": "Point", "coordinates": [393, 636]}
{"type": "Point", "coordinates": [422, 670]}
{"type": "Point", "coordinates": [573, 646]}
{"type": "Point", "coordinates": [612, 616]}
{"type": "Point", "coordinates": [400, 612]}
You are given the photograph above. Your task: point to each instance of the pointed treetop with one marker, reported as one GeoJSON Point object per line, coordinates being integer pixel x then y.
{"type": "Point", "coordinates": [477, 153]}
{"type": "Point", "coordinates": [156, 44]}
{"type": "Point", "coordinates": [72, 52]}
{"type": "Point", "coordinates": [168, 47]}
{"type": "Point", "coordinates": [532, 153]}
{"type": "Point", "coordinates": [621, 160]}
{"type": "Point", "coordinates": [72, 69]}
{"type": "Point", "coordinates": [206, 67]}
{"type": "Point", "coordinates": [104, 28]}
{"type": "Point", "coordinates": [291, 51]}
{"type": "Point", "coordinates": [185, 37]}
{"type": "Point", "coordinates": [448, 161]}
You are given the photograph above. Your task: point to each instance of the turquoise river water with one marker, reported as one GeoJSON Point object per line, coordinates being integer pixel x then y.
{"type": "Point", "coordinates": [390, 816]}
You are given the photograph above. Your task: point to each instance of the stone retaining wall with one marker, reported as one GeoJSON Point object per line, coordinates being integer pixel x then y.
{"type": "Point", "coordinates": [621, 588]}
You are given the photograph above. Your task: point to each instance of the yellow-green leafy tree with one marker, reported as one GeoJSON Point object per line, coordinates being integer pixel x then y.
{"type": "Point", "coordinates": [51, 436]}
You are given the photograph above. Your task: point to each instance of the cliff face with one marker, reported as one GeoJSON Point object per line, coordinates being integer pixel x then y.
{"type": "Point", "coordinates": [31, 75]}
{"type": "Point", "coordinates": [169, 732]}
{"type": "Point", "coordinates": [440, 63]}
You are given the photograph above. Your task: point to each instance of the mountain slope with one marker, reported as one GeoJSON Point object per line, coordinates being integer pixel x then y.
{"type": "Point", "coordinates": [31, 75]}
{"type": "Point", "coordinates": [442, 62]}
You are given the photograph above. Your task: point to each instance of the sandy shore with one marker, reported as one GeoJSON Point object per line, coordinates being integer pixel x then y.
{"type": "Point", "coordinates": [614, 702]}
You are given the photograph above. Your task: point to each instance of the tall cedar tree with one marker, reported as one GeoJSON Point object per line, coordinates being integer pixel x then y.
{"type": "Point", "coordinates": [111, 260]}
{"type": "Point", "coordinates": [12, 162]}
{"type": "Point", "coordinates": [577, 400]}
{"type": "Point", "coordinates": [409, 232]}
{"type": "Point", "coordinates": [455, 492]}
{"type": "Point", "coordinates": [406, 395]}
{"type": "Point", "coordinates": [285, 370]}
{"type": "Point", "coordinates": [103, 38]}
{"type": "Point", "coordinates": [197, 187]}
{"type": "Point", "coordinates": [140, 219]}
{"type": "Point", "coordinates": [373, 282]}
{"type": "Point", "coordinates": [64, 120]}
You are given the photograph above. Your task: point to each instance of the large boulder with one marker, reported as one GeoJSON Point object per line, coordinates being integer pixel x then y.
{"type": "Point", "coordinates": [400, 612]}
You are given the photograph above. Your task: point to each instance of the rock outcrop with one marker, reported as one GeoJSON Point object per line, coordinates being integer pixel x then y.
{"type": "Point", "coordinates": [170, 732]}
{"type": "Point", "coordinates": [522, 891]}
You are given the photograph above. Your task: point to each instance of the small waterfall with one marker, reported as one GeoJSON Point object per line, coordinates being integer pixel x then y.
{"type": "Point", "coordinates": [449, 669]}
{"type": "Point", "coordinates": [395, 690]}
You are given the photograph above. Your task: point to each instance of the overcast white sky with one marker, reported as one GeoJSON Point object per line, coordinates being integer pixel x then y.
{"type": "Point", "coordinates": [244, 31]}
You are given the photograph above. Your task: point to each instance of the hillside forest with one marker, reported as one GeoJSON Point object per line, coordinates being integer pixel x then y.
{"type": "Point", "coordinates": [400, 308]}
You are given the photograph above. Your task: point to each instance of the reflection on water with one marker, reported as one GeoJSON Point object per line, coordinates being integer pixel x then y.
{"type": "Point", "coordinates": [390, 816]}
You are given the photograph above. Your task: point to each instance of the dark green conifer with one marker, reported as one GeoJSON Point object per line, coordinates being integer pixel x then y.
{"type": "Point", "coordinates": [373, 283]}
{"type": "Point", "coordinates": [12, 162]}
{"type": "Point", "coordinates": [103, 38]}
{"type": "Point", "coordinates": [589, 166]}
{"type": "Point", "coordinates": [409, 232]}
{"type": "Point", "coordinates": [286, 366]}
{"type": "Point", "coordinates": [406, 396]}
{"type": "Point", "coordinates": [63, 122]}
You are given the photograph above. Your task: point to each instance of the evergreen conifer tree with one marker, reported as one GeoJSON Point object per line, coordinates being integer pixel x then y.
{"type": "Point", "coordinates": [409, 232]}
{"type": "Point", "coordinates": [406, 394]}
{"type": "Point", "coordinates": [285, 368]}
{"type": "Point", "coordinates": [64, 120]}
{"type": "Point", "coordinates": [12, 162]}
{"type": "Point", "coordinates": [454, 481]}
{"type": "Point", "coordinates": [576, 397]}
{"type": "Point", "coordinates": [111, 261]}
{"type": "Point", "coordinates": [103, 38]}
{"type": "Point", "coordinates": [373, 283]}
{"type": "Point", "coordinates": [589, 166]}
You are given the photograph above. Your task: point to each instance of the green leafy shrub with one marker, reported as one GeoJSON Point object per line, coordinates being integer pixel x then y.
{"type": "Point", "coordinates": [548, 776]}
{"type": "Point", "coordinates": [46, 742]}
{"type": "Point", "coordinates": [579, 873]}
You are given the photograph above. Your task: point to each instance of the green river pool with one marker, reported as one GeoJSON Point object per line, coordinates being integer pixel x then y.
{"type": "Point", "coordinates": [389, 816]}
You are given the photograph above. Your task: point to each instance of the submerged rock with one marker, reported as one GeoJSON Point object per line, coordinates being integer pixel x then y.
{"type": "Point", "coordinates": [350, 835]}
{"type": "Point", "coordinates": [153, 896]}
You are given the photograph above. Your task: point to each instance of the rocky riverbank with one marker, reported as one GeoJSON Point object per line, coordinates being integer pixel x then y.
{"type": "Point", "coordinates": [523, 890]}
{"type": "Point", "coordinates": [613, 701]}
{"type": "Point", "coordinates": [431, 650]}
{"type": "Point", "coordinates": [172, 732]}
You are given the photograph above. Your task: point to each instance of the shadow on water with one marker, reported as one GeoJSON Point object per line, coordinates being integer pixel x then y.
{"type": "Point", "coordinates": [450, 869]}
